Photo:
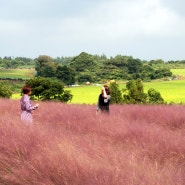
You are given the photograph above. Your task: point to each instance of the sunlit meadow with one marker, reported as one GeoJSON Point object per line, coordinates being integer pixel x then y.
{"type": "Point", "coordinates": [172, 91]}
{"type": "Point", "coordinates": [71, 144]}
{"type": "Point", "coordinates": [17, 73]}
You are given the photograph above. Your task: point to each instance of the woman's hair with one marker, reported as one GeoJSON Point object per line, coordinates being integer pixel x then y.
{"type": "Point", "coordinates": [107, 89]}
{"type": "Point", "coordinates": [26, 89]}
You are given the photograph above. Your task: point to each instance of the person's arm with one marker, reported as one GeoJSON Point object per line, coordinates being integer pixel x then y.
{"type": "Point", "coordinates": [104, 92]}
{"type": "Point", "coordinates": [29, 106]}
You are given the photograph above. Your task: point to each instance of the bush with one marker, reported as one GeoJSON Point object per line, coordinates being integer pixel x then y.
{"type": "Point", "coordinates": [154, 97]}
{"type": "Point", "coordinates": [5, 90]}
{"type": "Point", "coordinates": [48, 89]}
{"type": "Point", "coordinates": [116, 96]}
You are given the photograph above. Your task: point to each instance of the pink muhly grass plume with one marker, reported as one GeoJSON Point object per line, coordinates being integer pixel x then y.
{"type": "Point", "coordinates": [71, 144]}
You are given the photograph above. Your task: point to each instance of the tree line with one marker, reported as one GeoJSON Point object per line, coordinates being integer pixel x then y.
{"type": "Point", "coordinates": [52, 74]}
{"type": "Point", "coordinates": [93, 68]}
{"type": "Point", "coordinates": [17, 62]}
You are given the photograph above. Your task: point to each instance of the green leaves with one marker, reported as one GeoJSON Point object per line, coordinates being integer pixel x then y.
{"type": "Point", "coordinates": [154, 97]}
{"type": "Point", "coordinates": [135, 94]}
{"type": "Point", "coordinates": [5, 90]}
{"type": "Point", "coordinates": [47, 89]}
{"type": "Point", "coordinates": [116, 96]}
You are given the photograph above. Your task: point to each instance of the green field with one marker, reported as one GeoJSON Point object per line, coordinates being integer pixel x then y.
{"type": "Point", "coordinates": [171, 91]}
{"type": "Point", "coordinates": [17, 73]}
{"type": "Point", "coordinates": [180, 72]}
{"type": "Point", "coordinates": [85, 94]}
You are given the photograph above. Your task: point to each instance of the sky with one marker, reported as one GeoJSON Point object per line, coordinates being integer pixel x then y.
{"type": "Point", "coordinates": [144, 29]}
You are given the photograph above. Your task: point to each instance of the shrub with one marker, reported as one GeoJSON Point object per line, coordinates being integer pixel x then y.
{"type": "Point", "coordinates": [47, 89]}
{"type": "Point", "coordinates": [5, 90]}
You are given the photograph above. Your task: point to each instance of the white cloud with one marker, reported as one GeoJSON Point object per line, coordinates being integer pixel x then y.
{"type": "Point", "coordinates": [110, 27]}
{"type": "Point", "coordinates": [118, 20]}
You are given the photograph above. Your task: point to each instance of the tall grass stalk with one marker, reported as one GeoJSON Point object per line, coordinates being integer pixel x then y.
{"type": "Point", "coordinates": [73, 145]}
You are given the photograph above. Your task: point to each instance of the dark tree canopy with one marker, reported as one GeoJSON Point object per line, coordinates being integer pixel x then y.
{"type": "Point", "coordinates": [94, 68]}
{"type": "Point", "coordinates": [82, 62]}
{"type": "Point", "coordinates": [65, 74]}
{"type": "Point", "coordinates": [47, 89]}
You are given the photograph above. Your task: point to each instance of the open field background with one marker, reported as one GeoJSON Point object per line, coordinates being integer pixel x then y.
{"type": "Point", "coordinates": [172, 91]}
{"type": "Point", "coordinates": [72, 145]}
{"type": "Point", "coordinates": [180, 72]}
{"type": "Point", "coordinates": [17, 73]}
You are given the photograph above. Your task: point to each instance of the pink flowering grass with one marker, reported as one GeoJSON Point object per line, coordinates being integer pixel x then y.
{"type": "Point", "coordinates": [74, 145]}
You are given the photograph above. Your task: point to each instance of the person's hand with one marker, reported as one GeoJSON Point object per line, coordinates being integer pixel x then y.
{"type": "Point", "coordinates": [103, 88]}
{"type": "Point", "coordinates": [37, 105]}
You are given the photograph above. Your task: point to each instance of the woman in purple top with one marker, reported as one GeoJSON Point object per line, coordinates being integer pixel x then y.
{"type": "Point", "coordinates": [26, 106]}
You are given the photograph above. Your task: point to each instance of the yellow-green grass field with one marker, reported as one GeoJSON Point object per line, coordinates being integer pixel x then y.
{"type": "Point", "coordinates": [172, 92]}
{"type": "Point", "coordinates": [17, 73]}
{"type": "Point", "coordinates": [85, 94]}
{"type": "Point", "coordinates": [180, 72]}
{"type": "Point", "coordinates": [81, 94]}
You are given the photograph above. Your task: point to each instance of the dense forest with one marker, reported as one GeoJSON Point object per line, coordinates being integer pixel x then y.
{"type": "Point", "coordinates": [93, 68]}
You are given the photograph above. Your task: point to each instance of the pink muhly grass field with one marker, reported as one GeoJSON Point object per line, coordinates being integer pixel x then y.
{"type": "Point", "coordinates": [73, 145]}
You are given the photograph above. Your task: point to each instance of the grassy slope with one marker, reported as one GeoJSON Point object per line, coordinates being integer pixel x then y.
{"type": "Point", "coordinates": [72, 145]}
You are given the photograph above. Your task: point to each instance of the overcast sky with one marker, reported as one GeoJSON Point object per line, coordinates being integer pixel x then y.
{"type": "Point", "coordinates": [144, 29]}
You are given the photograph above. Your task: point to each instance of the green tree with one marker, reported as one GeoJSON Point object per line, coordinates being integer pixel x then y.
{"type": "Point", "coordinates": [147, 72]}
{"type": "Point", "coordinates": [135, 92]}
{"type": "Point", "coordinates": [134, 66]}
{"type": "Point", "coordinates": [65, 74]}
{"type": "Point", "coordinates": [5, 90]}
{"type": "Point", "coordinates": [158, 62]}
{"type": "Point", "coordinates": [83, 62]}
{"type": "Point", "coordinates": [47, 89]}
{"type": "Point", "coordinates": [49, 70]}
{"type": "Point", "coordinates": [154, 97]}
{"type": "Point", "coordinates": [116, 96]}
{"type": "Point", "coordinates": [40, 64]}
{"type": "Point", "coordinates": [84, 78]}
{"type": "Point", "coordinates": [161, 73]}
